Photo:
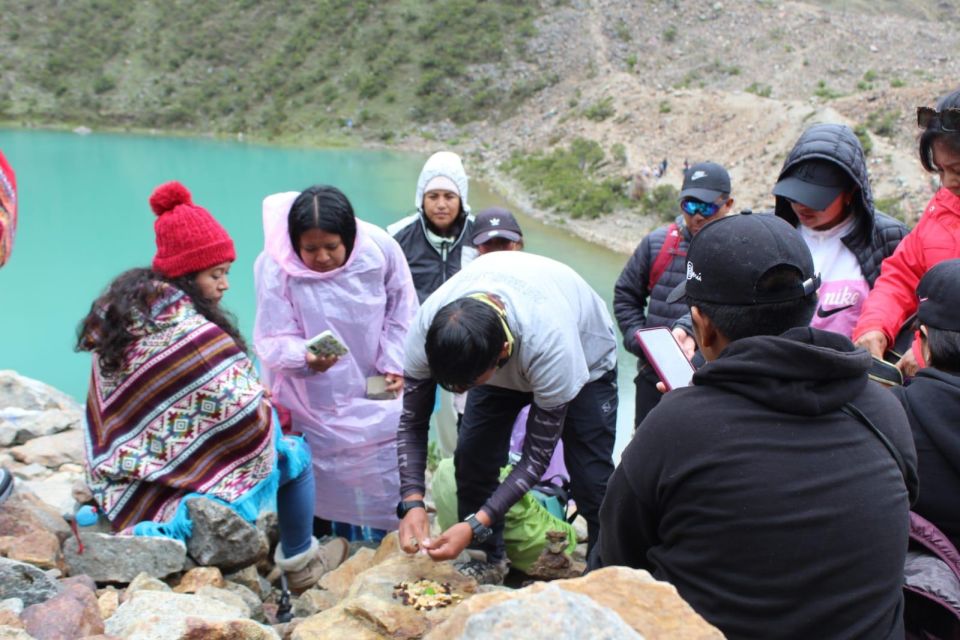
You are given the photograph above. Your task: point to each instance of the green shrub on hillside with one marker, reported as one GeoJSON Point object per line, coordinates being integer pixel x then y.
{"type": "Point", "coordinates": [762, 90]}
{"type": "Point", "coordinates": [825, 92]}
{"type": "Point", "coordinates": [892, 207]}
{"type": "Point", "coordinates": [865, 140]}
{"type": "Point", "coordinates": [600, 110]}
{"type": "Point", "coordinates": [576, 181]}
{"type": "Point", "coordinates": [268, 65]}
{"type": "Point", "coordinates": [884, 123]}
{"type": "Point", "coordinates": [569, 180]}
{"type": "Point", "coordinates": [662, 202]}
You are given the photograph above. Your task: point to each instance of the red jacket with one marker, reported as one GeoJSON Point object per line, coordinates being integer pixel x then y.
{"type": "Point", "coordinates": [893, 298]}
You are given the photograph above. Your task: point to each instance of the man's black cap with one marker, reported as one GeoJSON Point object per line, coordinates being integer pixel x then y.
{"type": "Point", "coordinates": [495, 223]}
{"type": "Point", "coordinates": [729, 256]}
{"type": "Point", "coordinates": [705, 181]}
{"type": "Point", "coordinates": [814, 183]}
{"type": "Point", "coordinates": [939, 293]}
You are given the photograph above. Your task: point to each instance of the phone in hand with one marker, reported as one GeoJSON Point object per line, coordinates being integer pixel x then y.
{"type": "Point", "coordinates": [326, 344]}
{"type": "Point", "coordinates": [665, 356]}
{"type": "Point", "coordinates": [377, 389]}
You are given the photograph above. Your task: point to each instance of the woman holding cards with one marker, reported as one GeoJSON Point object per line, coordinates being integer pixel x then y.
{"type": "Point", "coordinates": [321, 270]}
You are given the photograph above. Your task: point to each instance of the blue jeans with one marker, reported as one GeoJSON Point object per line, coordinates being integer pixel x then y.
{"type": "Point", "coordinates": [295, 499]}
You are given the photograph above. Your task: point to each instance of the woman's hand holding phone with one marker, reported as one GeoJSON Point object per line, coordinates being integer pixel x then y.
{"type": "Point", "coordinates": [320, 363]}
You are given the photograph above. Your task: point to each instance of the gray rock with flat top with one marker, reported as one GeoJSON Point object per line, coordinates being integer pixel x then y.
{"type": "Point", "coordinates": [110, 558]}
{"type": "Point", "coordinates": [552, 614]}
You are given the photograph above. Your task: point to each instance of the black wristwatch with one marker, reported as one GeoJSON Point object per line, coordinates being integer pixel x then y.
{"type": "Point", "coordinates": [480, 531]}
{"type": "Point", "coordinates": [404, 507]}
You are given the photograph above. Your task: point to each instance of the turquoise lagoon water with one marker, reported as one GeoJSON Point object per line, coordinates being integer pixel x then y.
{"type": "Point", "coordinates": [84, 218]}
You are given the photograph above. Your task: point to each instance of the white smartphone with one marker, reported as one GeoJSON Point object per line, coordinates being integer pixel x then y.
{"type": "Point", "coordinates": [665, 356]}
{"type": "Point", "coordinates": [326, 344]}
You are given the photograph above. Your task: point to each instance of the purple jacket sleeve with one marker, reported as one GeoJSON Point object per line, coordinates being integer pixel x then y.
{"type": "Point", "coordinates": [544, 427]}
{"type": "Point", "coordinates": [278, 337]}
{"type": "Point", "coordinates": [418, 398]}
{"type": "Point", "coordinates": [401, 306]}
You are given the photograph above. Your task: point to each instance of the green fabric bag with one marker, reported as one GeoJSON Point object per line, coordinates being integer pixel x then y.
{"type": "Point", "coordinates": [526, 524]}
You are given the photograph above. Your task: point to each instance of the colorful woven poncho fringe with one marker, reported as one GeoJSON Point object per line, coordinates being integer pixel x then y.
{"type": "Point", "coordinates": [184, 418]}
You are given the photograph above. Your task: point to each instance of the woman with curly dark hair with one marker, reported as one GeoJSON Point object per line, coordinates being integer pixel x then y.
{"type": "Point", "coordinates": [175, 410]}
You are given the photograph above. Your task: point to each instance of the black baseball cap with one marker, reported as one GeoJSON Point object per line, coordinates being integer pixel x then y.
{"type": "Point", "coordinates": [813, 183]}
{"type": "Point", "coordinates": [729, 256]}
{"type": "Point", "coordinates": [705, 181]}
{"type": "Point", "coordinates": [939, 293]}
{"type": "Point", "coordinates": [495, 223]}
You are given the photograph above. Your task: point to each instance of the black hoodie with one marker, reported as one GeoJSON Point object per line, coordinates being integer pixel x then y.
{"type": "Point", "coordinates": [774, 514]}
{"type": "Point", "coordinates": [875, 235]}
{"type": "Point", "coordinates": [932, 402]}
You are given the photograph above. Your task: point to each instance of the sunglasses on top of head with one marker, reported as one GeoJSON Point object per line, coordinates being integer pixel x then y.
{"type": "Point", "coordinates": [949, 119]}
{"type": "Point", "coordinates": [697, 208]}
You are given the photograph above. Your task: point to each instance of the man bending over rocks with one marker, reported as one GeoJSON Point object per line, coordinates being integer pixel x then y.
{"type": "Point", "coordinates": [515, 329]}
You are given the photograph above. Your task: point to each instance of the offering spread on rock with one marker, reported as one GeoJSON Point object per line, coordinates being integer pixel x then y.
{"type": "Point", "coordinates": [425, 595]}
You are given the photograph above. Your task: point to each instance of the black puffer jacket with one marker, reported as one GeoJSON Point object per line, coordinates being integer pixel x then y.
{"type": "Point", "coordinates": [876, 234]}
{"type": "Point", "coordinates": [632, 292]}
{"type": "Point", "coordinates": [432, 265]}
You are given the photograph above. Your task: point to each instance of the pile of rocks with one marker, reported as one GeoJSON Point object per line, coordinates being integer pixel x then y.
{"type": "Point", "coordinates": [57, 583]}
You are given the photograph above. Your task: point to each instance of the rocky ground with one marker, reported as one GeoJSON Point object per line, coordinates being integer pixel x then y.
{"type": "Point", "coordinates": [59, 583]}
{"type": "Point", "coordinates": [734, 81]}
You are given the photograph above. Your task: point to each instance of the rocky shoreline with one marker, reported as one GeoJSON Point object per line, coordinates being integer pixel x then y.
{"type": "Point", "coordinates": [59, 580]}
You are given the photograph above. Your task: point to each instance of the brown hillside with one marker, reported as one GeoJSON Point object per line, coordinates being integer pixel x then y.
{"type": "Point", "coordinates": [683, 80]}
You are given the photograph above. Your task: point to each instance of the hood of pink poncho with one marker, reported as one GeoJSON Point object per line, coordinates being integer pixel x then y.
{"type": "Point", "coordinates": [276, 209]}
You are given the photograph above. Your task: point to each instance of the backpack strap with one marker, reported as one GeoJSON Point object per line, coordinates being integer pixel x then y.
{"type": "Point", "coordinates": [667, 251]}
{"type": "Point", "coordinates": [854, 412]}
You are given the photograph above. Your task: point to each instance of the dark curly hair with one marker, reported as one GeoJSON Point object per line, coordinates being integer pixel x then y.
{"type": "Point", "coordinates": [105, 329]}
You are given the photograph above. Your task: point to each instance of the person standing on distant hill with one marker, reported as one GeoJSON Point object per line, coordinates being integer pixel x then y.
{"type": "Point", "coordinates": [824, 190]}
{"type": "Point", "coordinates": [657, 265]}
{"type": "Point", "coordinates": [935, 238]}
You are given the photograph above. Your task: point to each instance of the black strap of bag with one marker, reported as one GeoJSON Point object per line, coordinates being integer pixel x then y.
{"type": "Point", "coordinates": [854, 412]}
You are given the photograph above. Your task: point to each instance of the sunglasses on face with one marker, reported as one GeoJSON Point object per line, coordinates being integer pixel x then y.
{"type": "Point", "coordinates": [949, 118]}
{"type": "Point", "coordinates": [696, 208]}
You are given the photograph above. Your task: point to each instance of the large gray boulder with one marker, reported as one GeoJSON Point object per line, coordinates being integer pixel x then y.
{"type": "Point", "coordinates": [20, 425]}
{"type": "Point", "coordinates": [552, 614]}
{"type": "Point", "coordinates": [26, 582]}
{"type": "Point", "coordinates": [26, 393]}
{"type": "Point", "coordinates": [158, 615]}
{"type": "Point", "coordinates": [109, 558]}
{"type": "Point", "coordinates": [220, 537]}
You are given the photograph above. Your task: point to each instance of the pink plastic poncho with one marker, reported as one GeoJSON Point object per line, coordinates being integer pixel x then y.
{"type": "Point", "coordinates": [368, 303]}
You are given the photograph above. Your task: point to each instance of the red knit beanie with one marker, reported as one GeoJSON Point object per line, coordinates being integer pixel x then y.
{"type": "Point", "coordinates": [189, 239]}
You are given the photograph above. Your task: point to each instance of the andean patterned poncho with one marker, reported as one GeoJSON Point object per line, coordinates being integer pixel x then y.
{"type": "Point", "coordinates": [185, 416]}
